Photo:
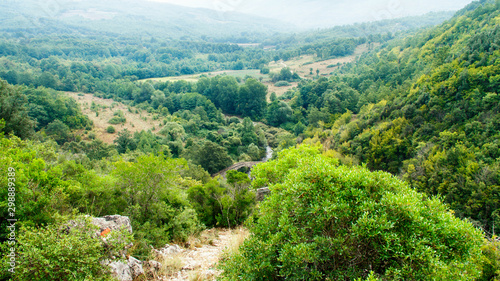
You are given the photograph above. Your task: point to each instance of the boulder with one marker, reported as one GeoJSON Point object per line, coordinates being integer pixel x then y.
{"type": "Point", "coordinates": [121, 271]}
{"type": "Point", "coordinates": [109, 223]}
{"type": "Point", "coordinates": [152, 267]}
{"type": "Point", "coordinates": [261, 193]}
{"type": "Point", "coordinates": [166, 251]}
{"type": "Point", "coordinates": [126, 271]}
{"type": "Point", "coordinates": [135, 267]}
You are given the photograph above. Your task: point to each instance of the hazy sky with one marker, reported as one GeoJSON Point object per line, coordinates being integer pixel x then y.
{"type": "Point", "coordinates": [311, 13]}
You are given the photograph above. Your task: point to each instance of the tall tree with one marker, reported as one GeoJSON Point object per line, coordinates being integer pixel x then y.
{"type": "Point", "coordinates": [13, 110]}
{"type": "Point", "coordinates": [252, 99]}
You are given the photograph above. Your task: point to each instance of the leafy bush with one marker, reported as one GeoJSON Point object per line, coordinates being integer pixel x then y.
{"type": "Point", "coordinates": [491, 263]}
{"type": "Point", "coordinates": [282, 84]}
{"type": "Point", "coordinates": [117, 120]}
{"type": "Point", "coordinates": [58, 252]}
{"type": "Point", "coordinates": [324, 221]}
{"type": "Point", "coordinates": [226, 205]}
{"type": "Point", "coordinates": [157, 206]}
{"type": "Point", "coordinates": [111, 129]}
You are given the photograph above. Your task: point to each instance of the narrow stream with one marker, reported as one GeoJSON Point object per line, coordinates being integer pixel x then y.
{"type": "Point", "coordinates": [269, 154]}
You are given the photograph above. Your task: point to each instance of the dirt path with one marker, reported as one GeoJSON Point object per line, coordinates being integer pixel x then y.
{"type": "Point", "coordinates": [199, 263]}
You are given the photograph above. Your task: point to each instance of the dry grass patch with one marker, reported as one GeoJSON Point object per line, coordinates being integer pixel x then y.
{"type": "Point", "coordinates": [135, 120]}
{"type": "Point", "coordinates": [237, 238]}
{"type": "Point", "coordinates": [206, 237]}
{"type": "Point", "coordinates": [171, 264]}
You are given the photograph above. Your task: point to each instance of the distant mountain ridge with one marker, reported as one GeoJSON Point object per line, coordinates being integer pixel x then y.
{"type": "Point", "coordinates": [132, 18]}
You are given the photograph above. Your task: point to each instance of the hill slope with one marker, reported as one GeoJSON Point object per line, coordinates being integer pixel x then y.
{"type": "Point", "coordinates": [427, 109]}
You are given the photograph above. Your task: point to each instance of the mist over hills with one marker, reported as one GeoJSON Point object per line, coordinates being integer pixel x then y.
{"type": "Point", "coordinates": [212, 19]}
{"type": "Point", "coordinates": [132, 17]}
{"type": "Point", "coordinates": [307, 14]}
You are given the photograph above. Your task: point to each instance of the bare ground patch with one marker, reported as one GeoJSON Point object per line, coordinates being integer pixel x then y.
{"type": "Point", "coordinates": [303, 64]}
{"type": "Point", "coordinates": [135, 122]}
{"type": "Point", "coordinates": [278, 90]}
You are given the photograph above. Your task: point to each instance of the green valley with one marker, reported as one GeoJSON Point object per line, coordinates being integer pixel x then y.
{"type": "Point", "coordinates": [366, 151]}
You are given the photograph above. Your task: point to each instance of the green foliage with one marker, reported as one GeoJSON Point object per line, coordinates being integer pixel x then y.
{"type": "Point", "coordinates": [278, 113]}
{"type": "Point", "coordinates": [282, 84]}
{"type": "Point", "coordinates": [124, 142]}
{"type": "Point", "coordinates": [252, 99]}
{"type": "Point", "coordinates": [285, 75]}
{"type": "Point", "coordinates": [41, 190]}
{"type": "Point", "coordinates": [324, 221]}
{"type": "Point", "coordinates": [13, 110]}
{"type": "Point", "coordinates": [491, 261]}
{"type": "Point", "coordinates": [59, 252]}
{"type": "Point", "coordinates": [58, 131]}
{"type": "Point", "coordinates": [211, 156]}
{"type": "Point", "coordinates": [223, 205]}
{"type": "Point", "coordinates": [157, 207]}
{"type": "Point", "coordinates": [117, 120]}
{"type": "Point", "coordinates": [424, 107]}
{"type": "Point", "coordinates": [110, 130]}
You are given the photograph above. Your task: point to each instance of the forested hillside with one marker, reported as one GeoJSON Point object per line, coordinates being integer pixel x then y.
{"type": "Point", "coordinates": [425, 108]}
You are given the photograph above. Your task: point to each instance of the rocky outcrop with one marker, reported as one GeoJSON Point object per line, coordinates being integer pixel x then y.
{"type": "Point", "coordinates": [262, 193]}
{"type": "Point", "coordinates": [126, 271]}
{"type": "Point", "coordinates": [135, 267]}
{"type": "Point", "coordinates": [166, 251]}
{"type": "Point", "coordinates": [152, 267]}
{"type": "Point", "coordinates": [129, 268]}
{"type": "Point", "coordinates": [121, 271]}
{"type": "Point", "coordinates": [115, 222]}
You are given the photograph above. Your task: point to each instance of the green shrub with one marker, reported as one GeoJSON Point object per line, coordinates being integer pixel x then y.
{"type": "Point", "coordinates": [111, 129]}
{"type": "Point", "coordinates": [226, 205]}
{"type": "Point", "coordinates": [118, 118]}
{"type": "Point", "coordinates": [154, 201]}
{"type": "Point", "coordinates": [57, 252]}
{"type": "Point", "coordinates": [282, 84]}
{"type": "Point", "coordinates": [328, 222]}
{"type": "Point", "coordinates": [491, 262]}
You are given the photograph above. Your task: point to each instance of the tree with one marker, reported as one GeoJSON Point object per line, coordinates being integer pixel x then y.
{"type": "Point", "coordinates": [278, 113]}
{"type": "Point", "coordinates": [254, 152]}
{"type": "Point", "coordinates": [213, 158]}
{"type": "Point", "coordinates": [248, 134]}
{"type": "Point", "coordinates": [47, 80]}
{"type": "Point", "coordinates": [58, 131]}
{"type": "Point", "coordinates": [221, 204]}
{"type": "Point", "coordinates": [323, 221]}
{"type": "Point", "coordinates": [124, 142]}
{"type": "Point", "coordinates": [157, 207]}
{"type": "Point", "coordinates": [273, 97]}
{"type": "Point", "coordinates": [299, 128]}
{"type": "Point", "coordinates": [13, 110]}
{"type": "Point", "coordinates": [252, 99]}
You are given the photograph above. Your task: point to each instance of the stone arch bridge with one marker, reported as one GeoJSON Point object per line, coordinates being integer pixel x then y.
{"type": "Point", "coordinates": [236, 167]}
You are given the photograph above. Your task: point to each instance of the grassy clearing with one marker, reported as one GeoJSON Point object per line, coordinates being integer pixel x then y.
{"type": "Point", "coordinates": [303, 64]}
{"type": "Point", "coordinates": [135, 121]}
{"type": "Point", "coordinates": [255, 73]}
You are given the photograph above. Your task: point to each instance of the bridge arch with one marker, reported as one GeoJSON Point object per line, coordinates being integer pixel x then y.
{"type": "Point", "coordinates": [236, 167]}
